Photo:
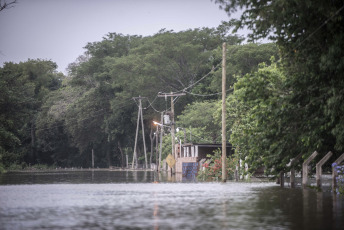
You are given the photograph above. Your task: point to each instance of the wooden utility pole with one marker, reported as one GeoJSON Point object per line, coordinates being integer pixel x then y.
{"type": "Point", "coordinates": [143, 135]}
{"type": "Point", "coordinates": [161, 132]}
{"type": "Point", "coordinates": [156, 147]}
{"type": "Point", "coordinates": [173, 131]}
{"type": "Point", "coordinates": [224, 175]}
{"type": "Point", "coordinates": [172, 95]}
{"type": "Point", "coordinates": [137, 131]}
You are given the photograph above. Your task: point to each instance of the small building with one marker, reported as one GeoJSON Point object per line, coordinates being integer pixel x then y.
{"type": "Point", "coordinates": [188, 156]}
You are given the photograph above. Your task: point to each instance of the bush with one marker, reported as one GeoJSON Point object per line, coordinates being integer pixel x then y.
{"type": "Point", "coordinates": [340, 178]}
{"type": "Point", "coordinates": [213, 167]}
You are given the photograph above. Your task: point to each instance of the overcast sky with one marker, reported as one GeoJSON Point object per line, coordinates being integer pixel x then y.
{"type": "Point", "coordinates": [58, 30]}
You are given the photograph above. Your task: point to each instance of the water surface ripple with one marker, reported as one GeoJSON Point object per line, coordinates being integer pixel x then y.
{"type": "Point", "coordinates": [147, 205]}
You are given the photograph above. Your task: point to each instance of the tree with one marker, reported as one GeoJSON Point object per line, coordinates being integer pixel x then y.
{"type": "Point", "coordinates": [200, 116]}
{"type": "Point", "coordinates": [261, 128]}
{"type": "Point", "coordinates": [242, 59]}
{"type": "Point", "coordinates": [309, 35]}
{"type": "Point", "coordinates": [24, 87]}
{"type": "Point", "coordinates": [6, 5]}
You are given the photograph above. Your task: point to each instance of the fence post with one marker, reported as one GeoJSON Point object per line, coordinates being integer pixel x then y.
{"type": "Point", "coordinates": [319, 168]}
{"type": "Point", "coordinates": [334, 172]}
{"type": "Point", "coordinates": [305, 169]}
{"type": "Point", "coordinates": [292, 170]}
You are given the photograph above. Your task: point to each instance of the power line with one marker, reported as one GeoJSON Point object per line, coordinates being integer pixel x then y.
{"type": "Point", "coordinates": [211, 71]}
{"type": "Point", "coordinates": [209, 95]}
{"type": "Point", "coordinates": [323, 24]}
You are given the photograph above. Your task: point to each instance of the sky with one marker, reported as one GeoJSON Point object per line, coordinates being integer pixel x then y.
{"type": "Point", "coordinates": [57, 30]}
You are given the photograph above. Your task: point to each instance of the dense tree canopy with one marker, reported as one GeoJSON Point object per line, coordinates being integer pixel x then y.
{"type": "Point", "coordinates": [23, 88]}
{"type": "Point", "coordinates": [289, 104]}
{"type": "Point", "coordinates": [93, 108]}
{"type": "Point", "coordinates": [309, 35]}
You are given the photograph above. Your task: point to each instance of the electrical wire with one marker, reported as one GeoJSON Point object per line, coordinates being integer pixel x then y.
{"type": "Point", "coordinates": [209, 95]}
{"type": "Point", "coordinates": [322, 25]}
{"type": "Point", "coordinates": [193, 84]}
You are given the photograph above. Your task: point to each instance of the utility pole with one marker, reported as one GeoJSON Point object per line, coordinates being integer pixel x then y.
{"type": "Point", "coordinates": [137, 131]}
{"type": "Point", "coordinates": [161, 132]}
{"type": "Point", "coordinates": [156, 147]}
{"type": "Point", "coordinates": [224, 176]}
{"type": "Point", "coordinates": [172, 120]}
{"type": "Point", "coordinates": [173, 131]}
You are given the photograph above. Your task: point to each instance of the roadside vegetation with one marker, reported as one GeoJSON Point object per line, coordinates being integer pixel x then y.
{"type": "Point", "coordinates": [284, 97]}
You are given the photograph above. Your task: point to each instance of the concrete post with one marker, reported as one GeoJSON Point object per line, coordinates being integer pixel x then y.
{"type": "Point", "coordinates": [305, 169]}
{"type": "Point", "coordinates": [319, 168]}
{"type": "Point", "coordinates": [292, 170]}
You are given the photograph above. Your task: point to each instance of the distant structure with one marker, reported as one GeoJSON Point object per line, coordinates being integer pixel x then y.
{"type": "Point", "coordinates": [190, 156]}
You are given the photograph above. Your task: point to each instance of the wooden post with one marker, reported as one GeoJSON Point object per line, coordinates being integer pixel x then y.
{"type": "Point", "coordinates": [282, 179]}
{"type": "Point", "coordinates": [137, 133]}
{"type": "Point", "coordinates": [152, 137]}
{"type": "Point", "coordinates": [224, 176]}
{"type": "Point", "coordinates": [334, 172]}
{"type": "Point", "coordinates": [173, 169]}
{"type": "Point", "coordinates": [319, 168]}
{"type": "Point", "coordinates": [143, 134]}
{"type": "Point", "coordinates": [92, 158]}
{"type": "Point", "coordinates": [292, 170]}
{"type": "Point", "coordinates": [161, 132]}
{"type": "Point", "coordinates": [156, 147]}
{"type": "Point", "coordinates": [236, 172]}
{"type": "Point", "coordinates": [139, 114]}
{"type": "Point", "coordinates": [305, 169]}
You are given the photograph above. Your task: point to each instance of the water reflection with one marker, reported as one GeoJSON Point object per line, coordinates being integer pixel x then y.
{"type": "Point", "coordinates": [79, 177]}
{"type": "Point", "coordinates": [131, 200]}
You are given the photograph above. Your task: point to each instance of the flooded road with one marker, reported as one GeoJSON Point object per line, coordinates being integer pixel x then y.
{"type": "Point", "coordinates": [131, 200]}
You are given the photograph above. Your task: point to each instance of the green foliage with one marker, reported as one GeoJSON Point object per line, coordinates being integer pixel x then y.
{"type": "Point", "coordinates": [309, 35]}
{"type": "Point", "coordinates": [339, 169]}
{"type": "Point", "coordinates": [51, 119]}
{"type": "Point", "coordinates": [212, 169]}
{"type": "Point", "coordinates": [258, 116]}
{"type": "Point", "coordinates": [200, 116]}
{"type": "Point", "coordinates": [241, 59]}
{"type": "Point", "coordinates": [23, 88]}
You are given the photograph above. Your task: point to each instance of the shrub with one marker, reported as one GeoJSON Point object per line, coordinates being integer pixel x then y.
{"type": "Point", "coordinates": [340, 178]}
{"type": "Point", "coordinates": [213, 167]}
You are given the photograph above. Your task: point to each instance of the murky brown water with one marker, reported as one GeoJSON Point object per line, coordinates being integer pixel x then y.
{"type": "Point", "coordinates": [130, 200]}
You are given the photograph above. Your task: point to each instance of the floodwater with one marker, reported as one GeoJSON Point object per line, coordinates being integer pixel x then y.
{"type": "Point", "coordinates": [134, 200]}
